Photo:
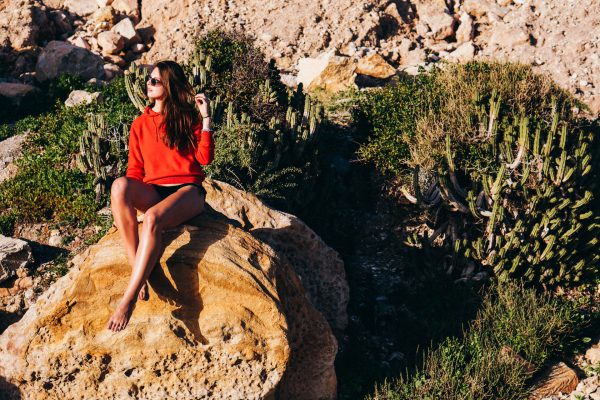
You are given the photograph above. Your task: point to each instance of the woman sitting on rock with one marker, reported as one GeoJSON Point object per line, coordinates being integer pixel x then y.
{"type": "Point", "coordinates": [167, 145]}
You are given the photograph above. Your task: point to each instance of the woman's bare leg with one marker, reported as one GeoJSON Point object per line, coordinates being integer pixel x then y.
{"type": "Point", "coordinates": [177, 208]}
{"type": "Point", "coordinates": [127, 195]}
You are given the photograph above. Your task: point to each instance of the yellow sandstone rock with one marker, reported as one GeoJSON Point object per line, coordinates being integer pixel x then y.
{"type": "Point", "coordinates": [227, 318]}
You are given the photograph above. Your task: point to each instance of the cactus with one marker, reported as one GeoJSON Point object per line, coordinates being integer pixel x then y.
{"type": "Point", "coordinates": [535, 216]}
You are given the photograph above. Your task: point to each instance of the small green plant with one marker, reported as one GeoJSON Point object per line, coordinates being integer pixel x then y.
{"type": "Point", "coordinates": [512, 336]}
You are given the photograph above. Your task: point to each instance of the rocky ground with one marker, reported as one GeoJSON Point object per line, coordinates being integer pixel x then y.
{"type": "Point", "coordinates": [559, 38]}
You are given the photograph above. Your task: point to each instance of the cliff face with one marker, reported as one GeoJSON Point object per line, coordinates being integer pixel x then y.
{"type": "Point", "coordinates": [228, 317]}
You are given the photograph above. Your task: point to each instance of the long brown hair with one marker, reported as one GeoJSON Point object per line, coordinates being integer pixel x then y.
{"type": "Point", "coordinates": [180, 113]}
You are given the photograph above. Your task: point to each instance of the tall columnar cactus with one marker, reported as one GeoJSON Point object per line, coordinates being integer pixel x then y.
{"type": "Point", "coordinates": [533, 215]}
{"type": "Point", "coordinates": [94, 153]}
{"type": "Point", "coordinates": [135, 83]}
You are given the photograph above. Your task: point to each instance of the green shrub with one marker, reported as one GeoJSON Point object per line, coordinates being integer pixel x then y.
{"type": "Point", "coordinates": [268, 137]}
{"type": "Point", "coordinates": [496, 157]}
{"type": "Point", "coordinates": [513, 335]}
{"type": "Point", "coordinates": [48, 186]}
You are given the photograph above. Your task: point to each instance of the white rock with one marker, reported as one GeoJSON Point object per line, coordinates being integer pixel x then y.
{"type": "Point", "coordinates": [81, 7]}
{"type": "Point", "coordinates": [138, 48]}
{"type": "Point", "coordinates": [126, 29]}
{"type": "Point", "coordinates": [55, 241]}
{"type": "Point", "coordinates": [309, 68]}
{"type": "Point", "coordinates": [79, 97]}
{"type": "Point", "coordinates": [81, 42]}
{"type": "Point", "coordinates": [15, 257]}
{"type": "Point", "coordinates": [464, 52]}
{"type": "Point", "coordinates": [464, 33]}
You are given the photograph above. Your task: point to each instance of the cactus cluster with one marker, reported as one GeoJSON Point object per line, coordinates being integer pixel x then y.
{"type": "Point", "coordinates": [279, 141]}
{"type": "Point", "coordinates": [101, 149]}
{"type": "Point", "coordinates": [533, 213]}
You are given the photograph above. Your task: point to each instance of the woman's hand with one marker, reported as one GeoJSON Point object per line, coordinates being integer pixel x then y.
{"type": "Point", "coordinates": [203, 104]}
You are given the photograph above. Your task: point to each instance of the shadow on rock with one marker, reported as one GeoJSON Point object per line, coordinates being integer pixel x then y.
{"type": "Point", "coordinates": [8, 391]}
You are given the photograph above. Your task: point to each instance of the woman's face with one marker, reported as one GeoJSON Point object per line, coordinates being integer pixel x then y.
{"type": "Point", "coordinates": [156, 90]}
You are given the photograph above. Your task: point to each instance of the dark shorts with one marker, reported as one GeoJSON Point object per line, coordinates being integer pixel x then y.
{"type": "Point", "coordinates": [164, 191]}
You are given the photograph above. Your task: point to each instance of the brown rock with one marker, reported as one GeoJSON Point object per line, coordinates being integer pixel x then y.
{"type": "Point", "coordinates": [23, 24]}
{"type": "Point", "coordinates": [110, 42]}
{"type": "Point", "coordinates": [16, 91]}
{"type": "Point", "coordinates": [319, 266]}
{"type": "Point", "coordinates": [463, 53]}
{"type": "Point", "coordinates": [129, 7]}
{"type": "Point", "coordinates": [375, 65]}
{"type": "Point", "coordinates": [339, 75]}
{"type": "Point", "coordinates": [62, 57]}
{"type": "Point", "coordinates": [227, 314]}
{"type": "Point", "coordinates": [435, 14]}
{"type": "Point", "coordinates": [558, 378]}
{"type": "Point", "coordinates": [479, 8]}
{"type": "Point", "coordinates": [506, 36]}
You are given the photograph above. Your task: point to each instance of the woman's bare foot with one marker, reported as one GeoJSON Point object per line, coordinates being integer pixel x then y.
{"type": "Point", "coordinates": [144, 294]}
{"type": "Point", "coordinates": [121, 316]}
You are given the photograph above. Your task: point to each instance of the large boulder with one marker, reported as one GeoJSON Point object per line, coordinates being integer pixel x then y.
{"type": "Point", "coordinates": [227, 317]}
{"type": "Point", "coordinates": [62, 57]}
{"type": "Point", "coordinates": [319, 266]}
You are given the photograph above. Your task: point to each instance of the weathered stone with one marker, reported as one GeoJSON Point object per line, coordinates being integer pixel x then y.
{"type": "Point", "coordinates": [138, 48]}
{"type": "Point", "coordinates": [15, 257]}
{"type": "Point", "coordinates": [129, 7]}
{"type": "Point", "coordinates": [310, 68]}
{"type": "Point", "coordinates": [62, 57]}
{"type": "Point", "coordinates": [318, 265]}
{"type": "Point", "coordinates": [435, 14]}
{"type": "Point", "coordinates": [558, 378]}
{"type": "Point", "coordinates": [10, 150]}
{"type": "Point", "coordinates": [117, 60]}
{"type": "Point", "coordinates": [464, 33]}
{"type": "Point", "coordinates": [80, 42]}
{"type": "Point", "coordinates": [81, 7]}
{"type": "Point", "coordinates": [592, 355]}
{"type": "Point", "coordinates": [17, 286]}
{"type": "Point", "coordinates": [339, 75]}
{"type": "Point", "coordinates": [375, 65]}
{"type": "Point", "coordinates": [16, 92]}
{"type": "Point", "coordinates": [227, 318]}
{"type": "Point", "coordinates": [508, 36]}
{"type": "Point", "coordinates": [111, 71]}
{"type": "Point", "coordinates": [413, 57]}
{"type": "Point", "coordinates": [111, 42]}
{"type": "Point", "coordinates": [126, 29]}
{"type": "Point", "coordinates": [23, 24]}
{"type": "Point", "coordinates": [463, 53]}
{"type": "Point", "coordinates": [104, 15]}
{"type": "Point", "coordinates": [79, 97]}
{"type": "Point", "coordinates": [479, 8]}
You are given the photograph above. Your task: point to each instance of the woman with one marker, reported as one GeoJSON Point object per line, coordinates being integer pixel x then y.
{"type": "Point", "coordinates": [168, 144]}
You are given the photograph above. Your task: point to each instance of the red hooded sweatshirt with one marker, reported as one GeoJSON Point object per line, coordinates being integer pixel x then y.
{"type": "Point", "coordinates": [152, 161]}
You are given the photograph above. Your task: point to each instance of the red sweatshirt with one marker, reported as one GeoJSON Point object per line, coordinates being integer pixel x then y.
{"type": "Point", "coordinates": [152, 161]}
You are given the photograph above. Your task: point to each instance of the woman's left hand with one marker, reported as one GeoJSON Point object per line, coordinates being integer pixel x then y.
{"type": "Point", "coordinates": [203, 104]}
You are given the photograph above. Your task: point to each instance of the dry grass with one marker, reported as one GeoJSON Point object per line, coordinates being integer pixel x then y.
{"type": "Point", "coordinates": [464, 88]}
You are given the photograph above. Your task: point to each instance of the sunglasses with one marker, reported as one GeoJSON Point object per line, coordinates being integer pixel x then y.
{"type": "Point", "coordinates": [153, 81]}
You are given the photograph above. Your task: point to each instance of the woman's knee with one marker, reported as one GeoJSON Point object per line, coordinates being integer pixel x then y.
{"type": "Point", "coordinates": [152, 219]}
{"type": "Point", "coordinates": [118, 189]}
